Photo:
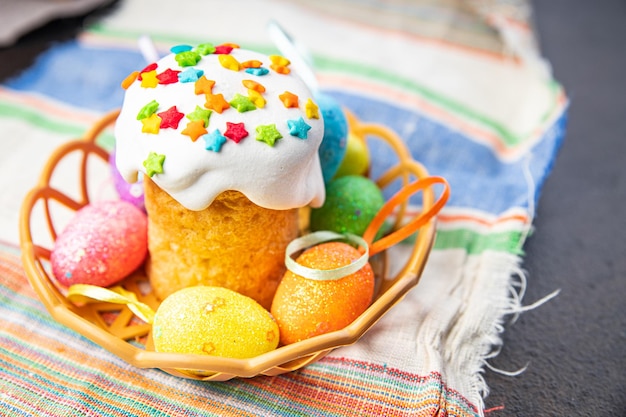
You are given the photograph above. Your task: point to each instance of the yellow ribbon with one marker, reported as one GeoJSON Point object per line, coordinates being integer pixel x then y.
{"type": "Point", "coordinates": [328, 274]}
{"type": "Point", "coordinates": [84, 293]}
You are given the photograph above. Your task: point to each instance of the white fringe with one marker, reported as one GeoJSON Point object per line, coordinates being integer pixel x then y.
{"type": "Point", "coordinates": [510, 309]}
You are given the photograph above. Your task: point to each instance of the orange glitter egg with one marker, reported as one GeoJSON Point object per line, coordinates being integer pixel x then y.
{"type": "Point", "coordinates": [305, 307]}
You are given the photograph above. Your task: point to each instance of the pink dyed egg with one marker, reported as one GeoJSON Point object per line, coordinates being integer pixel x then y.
{"type": "Point", "coordinates": [103, 244]}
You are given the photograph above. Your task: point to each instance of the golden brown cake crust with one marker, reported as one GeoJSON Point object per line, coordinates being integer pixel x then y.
{"type": "Point", "coordinates": [233, 243]}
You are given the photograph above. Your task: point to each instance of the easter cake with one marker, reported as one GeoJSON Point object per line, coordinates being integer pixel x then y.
{"type": "Point", "coordinates": [226, 142]}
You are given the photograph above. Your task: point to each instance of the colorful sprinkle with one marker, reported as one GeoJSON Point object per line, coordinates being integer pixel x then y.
{"type": "Point", "coordinates": [180, 48]}
{"type": "Point", "coordinates": [130, 79]}
{"type": "Point", "coordinates": [229, 62]}
{"type": "Point", "coordinates": [148, 110]}
{"type": "Point", "coordinates": [213, 141]}
{"type": "Point", "coordinates": [149, 79]}
{"type": "Point", "coordinates": [151, 124]}
{"type": "Point", "coordinates": [242, 103]}
{"type": "Point", "coordinates": [280, 70]}
{"type": "Point", "coordinates": [169, 76]}
{"type": "Point", "coordinates": [194, 129]}
{"type": "Point", "coordinates": [256, 98]}
{"type": "Point", "coordinates": [170, 118]}
{"type": "Point", "coordinates": [235, 131]}
{"type": "Point", "coordinates": [298, 128]}
{"type": "Point", "coordinates": [223, 49]}
{"type": "Point", "coordinates": [268, 134]}
{"type": "Point", "coordinates": [253, 85]}
{"type": "Point", "coordinates": [216, 102]}
{"type": "Point", "coordinates": [257, 71]}
{"type": "Point", "coordinates": [200, 114]}
{"type": "Point", "coordinates": [253, 63]}
{"type": "Point", "coordinates": [187, 58]}
{"type": "Point", "coordinates": [204, 86]}
{"type": "Point", "coordinates": [311, 110]}
{"type": "Point", "coordinates": [154, 164]}
{"type": "Point", "coordinates": [279, 60]}
{"type": "Point", "coordinates": [280, 64]}
{"type": "Point", "coordinates": [289, 99]}
{"type": "Point", "coordinates": [190, 75]}
{"type": "Point", "coordinates": [205, 48]}
{"type": "Point", "coordinates": [209, 348]}
{"type": "Point", "coordinates": [149, 68]}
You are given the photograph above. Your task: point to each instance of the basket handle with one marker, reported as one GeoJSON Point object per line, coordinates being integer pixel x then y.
{"type": "Point", "coordinates": [412, 226]}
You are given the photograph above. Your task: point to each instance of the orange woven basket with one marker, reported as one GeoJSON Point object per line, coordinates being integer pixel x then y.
{"type": "Point", "coordinates": [115, 328]}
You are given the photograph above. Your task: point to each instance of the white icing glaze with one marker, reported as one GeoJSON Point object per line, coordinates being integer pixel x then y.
{"type": "Point", "coordinates": [287, 175]}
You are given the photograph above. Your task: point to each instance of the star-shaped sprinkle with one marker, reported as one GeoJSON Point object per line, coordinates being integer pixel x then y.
{"type": "Point", "coordinates": [253, 63]}
{"type": "Point", "coordinates": [229, 62]}
{"type": "Point", "coordinates": [289, 99]}
{"type": "Point", "coordinates": [180, 48]}
{"type": "Point", "coordinates": [130, 79]}
{"type": "Point", "coordinates": [280, 70]}
{"type": "Point", "coordinates": [151, 124]}
{"type": "Point", "coordinates": [242, 103]}
{"type": "Point", "coordinates": [148, 110]}
{"type": "Point", "coordinates": [280, 64]}
{"type": "Point", "coordinates": [205, 48]}
{"type": "Point", "coordinates": [223, 49]}
{"type": "Point", "coordinates": [190, 75]}
{"type": "Point", "coordinates": [279, 60]}
{"type": "Point", "coordinates": [200, 114]}
{"type": "Point", "coordinates": [149, 79]}
{"type": "Point", "coordinates": [170, 118]}
{"type": "Point", "coordinates": [204, 86]}
{"type": "Point", "coordinates": [187, 58]}
{"type": "Point", "coordinates": [298, 128]}
{"type": "Point", "coordinates": [213, 141]}
{"type": "Point", "coordinates": [169, 76]}
{"type": "Point", "coordinates": [253, 85]}
{"type": "Point", "coordinates": [235, 131]}
{"type": "Point", "coordinates": [268, 134]}
{"type": "Point", "coordinates": [149, 68]}
{"type": "Point", "coordinates": [194, 129]}
{"type": "Point", "coordinates": [256, 98]}
{"type": "Point", "coordinates": [154, 164]}
{"type": "Point", "coordinates": [311, 110]}
{"type": "Point", "coordinates": [208, 348]}
{"type": "Point", "coordinates": [216, 102]}
{"type": "Point", "coordinates": [257, 71]}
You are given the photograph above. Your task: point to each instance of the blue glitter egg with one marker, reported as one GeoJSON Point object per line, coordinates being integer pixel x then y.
{"type": "Point", "coordinates": [333, 147]}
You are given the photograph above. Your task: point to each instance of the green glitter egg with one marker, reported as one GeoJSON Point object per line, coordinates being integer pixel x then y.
{"type": "Point", "coordinates": [351, 204]}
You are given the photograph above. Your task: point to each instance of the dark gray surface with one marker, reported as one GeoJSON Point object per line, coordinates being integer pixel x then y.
{"type": "Point", "coordinates": [575, 345]}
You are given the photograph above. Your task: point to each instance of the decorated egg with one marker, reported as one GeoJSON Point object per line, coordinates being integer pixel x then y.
{"type": "Point", "coordinates": [130, 192]}
{"type": "Point", "coordinates": [103, 243]}
{"type": "Point", "coordinates": [351, 204]}
{"type": "Point", "coordinates": [305, 307]}
{"type": "Point", "coordinates": [333, 147]}
{"type": "Point", "coordinates": [214, 321]}
{"type": "Point", "coordinates": [357, 158]}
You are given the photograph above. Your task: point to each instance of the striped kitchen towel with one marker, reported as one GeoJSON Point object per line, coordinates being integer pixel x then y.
{"type": "Point", "coordinates": [461, 82]}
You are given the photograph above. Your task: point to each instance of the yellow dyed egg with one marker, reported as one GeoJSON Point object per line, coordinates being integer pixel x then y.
{"type": "Point", "coordinates": [213, 321]}
{"type": "Point", "coordinates": [357, 158]}
{"type": "Point", "coordinates": [305, 307]}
